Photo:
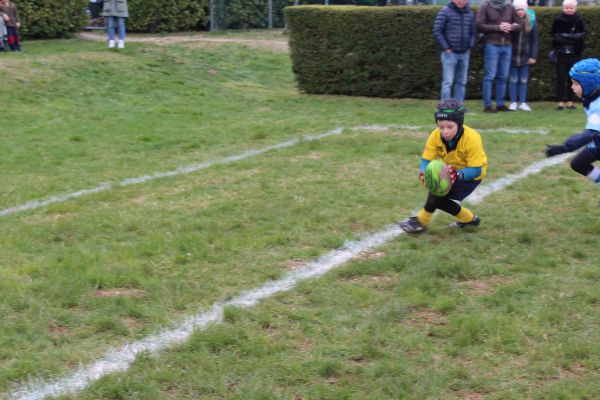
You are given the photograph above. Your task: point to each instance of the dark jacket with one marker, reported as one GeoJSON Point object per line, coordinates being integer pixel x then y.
{"type": "Point", "coordinates": [13, 14]}
{"type": "Point", "coordinates": [567, 33]}
{"type": "Point", "coordinates": [525, 45]}
{"type": "Point", "coordinates": [454, 28]}
{"type": "Point", "coordinates": [489, 19]}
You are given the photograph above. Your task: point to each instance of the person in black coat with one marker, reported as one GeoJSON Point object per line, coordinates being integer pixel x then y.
{"type": "Point", "coordinates": [568, 31]}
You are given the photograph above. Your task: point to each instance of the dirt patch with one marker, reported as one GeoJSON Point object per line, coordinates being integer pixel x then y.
{"type": "Point", "coordinates": [469, 395]}
{"type": "Point", "coordinates": [125, 292]}
{"type": "Point", "coordinates": [295, 264]}
{"type": "Point", "coordinates": [370, 255]}
{"type": "Point", "coordinates": [484, 287]}
{"type": "Point", "coordinates": [427, 317]}
{"type": "Point", "coordinates": [279, 45]}
{"type": "Point", "coordinates": [58, 330]}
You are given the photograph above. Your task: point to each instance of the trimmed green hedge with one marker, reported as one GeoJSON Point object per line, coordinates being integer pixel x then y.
{"type": "Point", "coordinates": [167, 15]}
{"type": "Point", "coordinates": [51, 18]}
{"type": "Point", "coordinates": [44, 19]}
{"type": "Point", "coordinates": [391, 52]}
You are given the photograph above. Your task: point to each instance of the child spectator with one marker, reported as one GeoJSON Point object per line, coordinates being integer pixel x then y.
{"type": "Point", "coordinates": [115, 12]}
{"type": "Point", "coordinates": [10, 14]}
{"type": "Point", "coordinates": [461, 148]}
{"type": "Point", "coordinates": [568, 31]}
{"type": "Point", "coordinates": [2, 33]}
{"type": "Point", "coordinates": [525, 48]}
{"type": "Point", "coordinates": [585, 78]}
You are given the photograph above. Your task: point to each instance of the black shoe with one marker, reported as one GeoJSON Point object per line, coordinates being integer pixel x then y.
{"type": "Point", "coordinates": [412, 225]}
{"type": "Point", "coordinates": [502, 108]}
{"type": "Point", "coordinates": [489, 109]}
{"type": "Point", "coordinates": [559, 108]}
{"type": "Point", "coordinates": [476, 221]}
{"type": "Point", "coordinates": [571, 107]}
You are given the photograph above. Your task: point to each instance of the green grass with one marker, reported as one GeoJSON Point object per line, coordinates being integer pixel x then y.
{"type": "Point", "coordinates": [509, 311]}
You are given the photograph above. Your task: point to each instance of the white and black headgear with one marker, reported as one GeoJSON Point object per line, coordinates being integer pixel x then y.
{"type": "Point", "coordinates": [450, 110]}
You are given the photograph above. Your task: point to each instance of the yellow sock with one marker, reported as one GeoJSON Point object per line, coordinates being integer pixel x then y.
{"type": "Point", "coordinates": [465, 215]}
{"type": "Point", "coordinates": [424, 217]}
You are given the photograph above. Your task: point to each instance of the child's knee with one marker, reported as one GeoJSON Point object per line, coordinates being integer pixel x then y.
{"type": "Point", "coordinates": [581, 167]}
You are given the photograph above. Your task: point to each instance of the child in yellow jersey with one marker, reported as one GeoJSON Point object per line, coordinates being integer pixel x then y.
{"type": "Point", "coordinates": [461, 149]}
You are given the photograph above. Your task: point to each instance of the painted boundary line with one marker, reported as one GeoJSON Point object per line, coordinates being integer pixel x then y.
{"type": "Point", "coordinates": [120, 359]}
{"type": "Point", "coordinates": [188, 169]}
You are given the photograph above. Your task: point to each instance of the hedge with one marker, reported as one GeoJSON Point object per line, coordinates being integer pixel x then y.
{"type": "Point", "coordinates": [167, 15]}
{"type": "Point", "coordinates": [51, 18]}
{"type": "Point", "coordinates": [391, 52]}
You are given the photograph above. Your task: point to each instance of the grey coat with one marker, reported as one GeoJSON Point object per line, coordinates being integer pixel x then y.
{"type": "Point", "coordinates": [115, 8]}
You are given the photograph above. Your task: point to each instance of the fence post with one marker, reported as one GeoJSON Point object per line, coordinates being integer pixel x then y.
{"type": "Point", "coordinates": [212, 15]}
{"type": "Point", "coordinates": [270, 14]}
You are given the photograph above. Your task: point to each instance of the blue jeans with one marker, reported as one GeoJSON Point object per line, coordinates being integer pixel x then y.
{"type": "Point", "coordinates": [496, 59]}
{"type": "Point", "coordinates": [110, 27]}
{"type": "Point", "coordinates": [454, 74]}
{"type": "Point", "coordinates": [517, 83]}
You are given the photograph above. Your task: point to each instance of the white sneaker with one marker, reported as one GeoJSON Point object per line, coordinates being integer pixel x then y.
{"type": "Point", "coordinates": [111, 44]}
{"type": "Point", "coordinates": [121, 44]}
{"type": "Point", "coordinates": [524, 107]}
{"type": "Point", "coordinates": [512, 107]}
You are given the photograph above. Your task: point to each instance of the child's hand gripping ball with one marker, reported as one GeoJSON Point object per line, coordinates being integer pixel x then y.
{"type": "Point", "coordinates": [438, 179]}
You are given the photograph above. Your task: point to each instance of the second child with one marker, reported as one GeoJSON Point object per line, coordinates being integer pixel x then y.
{"type": "Point", "coordinates": [585, 83]}
{"type": "Point", "coordinates": [525, 49]}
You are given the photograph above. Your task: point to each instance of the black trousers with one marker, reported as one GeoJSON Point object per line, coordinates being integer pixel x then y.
{"type": "Point", "coordinates": [563, 82]}
{"type": "Point", "coordinates": [582, 162]}
{"type": "Point", "coordinates": [450, 203]}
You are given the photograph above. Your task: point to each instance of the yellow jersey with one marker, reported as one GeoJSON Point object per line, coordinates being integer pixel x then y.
{"type": "Point", "coordinates": [467, 152]}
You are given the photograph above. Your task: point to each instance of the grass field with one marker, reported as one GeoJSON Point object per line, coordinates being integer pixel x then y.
{"type": "Point", "coordinates": [508, 311]}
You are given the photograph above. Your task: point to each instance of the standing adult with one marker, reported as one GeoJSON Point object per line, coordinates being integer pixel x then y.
{"type": "Point", "coordinates": [454, 30]}
{"type": "Point", "coordinates": [496, 19]}
{"type": "Point", "coordinates": [115, 12]}
{"type": "Point", "coordinates": [568, 31]}
{"type": "Point", "coordinates": [10, 14]}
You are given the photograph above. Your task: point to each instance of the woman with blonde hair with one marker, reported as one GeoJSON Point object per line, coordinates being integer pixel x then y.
{"type": "Point", "coordinates": [525, 49]}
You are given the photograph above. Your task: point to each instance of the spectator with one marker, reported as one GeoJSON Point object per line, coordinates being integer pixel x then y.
{"type": "Point", "coordinates": [496, 19]}
{"type": "Point", "coordinates": [568, 31]}
{"type": "Point", "coordinates": [525, 49]}
{"type": "Point", "coordinates": [2, 33]}
{"type": "Point", "coordinates": [10, 14]}
{"type": "Point", "coordinates": [115, 12]}
{"type": "Point", "coordinates": [454, 30]}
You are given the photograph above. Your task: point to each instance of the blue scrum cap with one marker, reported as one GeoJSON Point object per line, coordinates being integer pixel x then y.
{"type": "Point", "coordinates": [587, 74]}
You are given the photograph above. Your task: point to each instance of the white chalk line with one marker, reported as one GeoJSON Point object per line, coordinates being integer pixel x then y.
{"type": "Point", "coordinates": [188, 169]}
{"type": "Point", "coordinates": [120, 359]}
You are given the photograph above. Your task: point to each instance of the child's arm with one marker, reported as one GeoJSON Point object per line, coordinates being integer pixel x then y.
{"type": "Point", "coordinates": [468, 173]}
{"type": "Point", "coordinates": [573, 143]}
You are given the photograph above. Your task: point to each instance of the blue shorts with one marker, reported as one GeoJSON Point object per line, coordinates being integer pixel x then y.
{"type": "Point", "coordinates": [460, 190]}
